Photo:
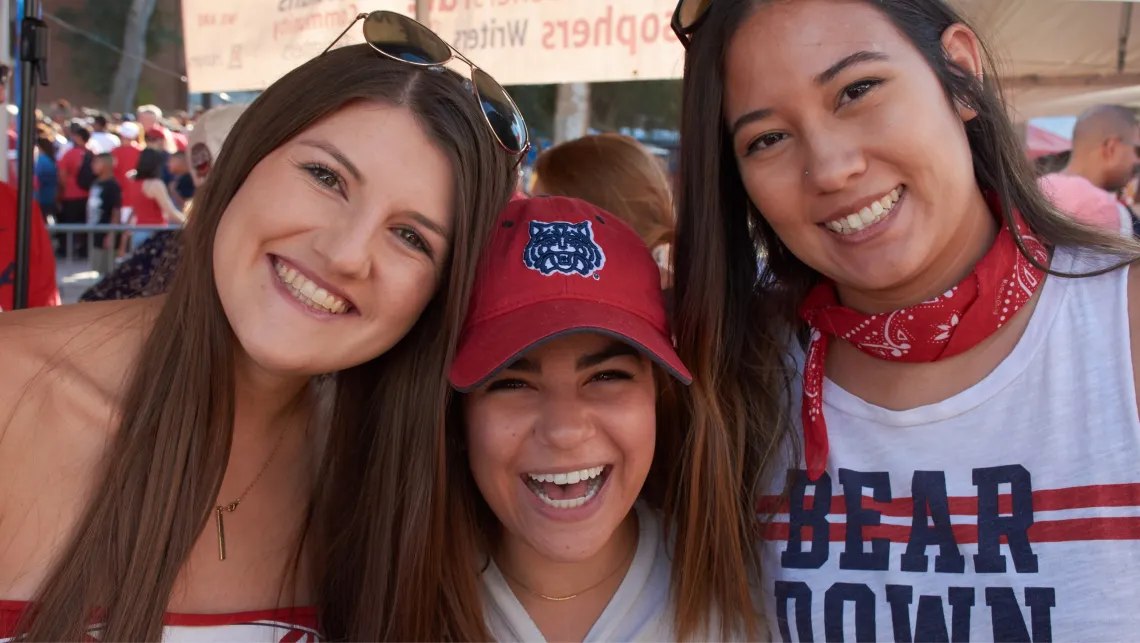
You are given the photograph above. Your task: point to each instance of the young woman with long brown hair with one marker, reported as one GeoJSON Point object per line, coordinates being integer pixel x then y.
{"type": "Point", "coordinates": [173, 455]}
{"type": "Point", "coordinates": [620, 176]}
{"type": "Point", "coordinates": [965, 405]}
{"type": "Point", "coordinates": [566, 464]}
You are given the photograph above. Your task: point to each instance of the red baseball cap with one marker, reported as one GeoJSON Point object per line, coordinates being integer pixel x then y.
{"type": "Point", "coordinates": [558, 266]}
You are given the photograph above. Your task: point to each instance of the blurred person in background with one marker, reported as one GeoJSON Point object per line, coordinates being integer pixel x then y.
{"type": "Point", "coordinates": [150, 266]}
{"type": "Point", "coordinates": [620, 176]}
{"type": "Point", "coordinates": [102, 141]}
{"type": "Point", "coordinates": [60, 111]}
{"type": "Point", "coordinates": [126, 160]}
{"type": "Point", "coordinates": [103, 205]}
{"type": "Point", "coordinates": [47, 177]}
{"type": "Point", "coordinates": [148, 116]}
{"type": "Point", "coordinates": [75, 178]}
{"type": "Point", "coordinates": [151, 204]}
{"type": "Point", "coordinates": [158, 138]}
{"type": "Point", "coordinates": [42, 288]}
{"type": "Point", "coordinates": [182, 186]}
{"type": "Point", "coordinates": [1104, 158]}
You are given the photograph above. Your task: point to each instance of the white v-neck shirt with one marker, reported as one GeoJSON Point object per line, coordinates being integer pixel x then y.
{"type": "Point", "coordinates": [640, 610]}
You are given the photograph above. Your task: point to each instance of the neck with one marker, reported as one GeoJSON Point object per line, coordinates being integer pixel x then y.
{"type": "Point", "coordinates": [263, 400]}
{"type": "Point", "coordinates": [1082, 167]}
{"type": "Point", "coordinates": [553, 578]}
{"type": "Point", "coordinates": [974, 236]}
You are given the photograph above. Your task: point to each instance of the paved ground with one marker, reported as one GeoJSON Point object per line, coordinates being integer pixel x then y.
{"type": "Point", "coordinates": [74, 277]}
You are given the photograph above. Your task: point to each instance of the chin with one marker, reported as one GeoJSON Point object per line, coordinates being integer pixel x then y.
{"type": "Point", "coordinates": [278, 359]}
{"type": "Point", "coordinates": [570, 548]}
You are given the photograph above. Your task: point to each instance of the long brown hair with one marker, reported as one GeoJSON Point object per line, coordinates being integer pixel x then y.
{"type": "Point", "coordinates": [166, 462]}
{"type": "Point", "coordinates": [474, 530]}
{"type": "Point", "coordinates": [617, 174]}
{"type": "Point", "coordinates": [735, 319]}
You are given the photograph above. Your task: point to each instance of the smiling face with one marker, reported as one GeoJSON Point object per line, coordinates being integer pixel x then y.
{"type": "Point", "coordinates": [848, 145]}
{"type": "Point", "coordinates": [330, 250]}
{"type": "Point", "coordinates": [560, 443]}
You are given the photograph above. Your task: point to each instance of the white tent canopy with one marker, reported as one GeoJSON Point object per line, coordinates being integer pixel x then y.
{"type": "Point", "coordinates": [1057, 57]}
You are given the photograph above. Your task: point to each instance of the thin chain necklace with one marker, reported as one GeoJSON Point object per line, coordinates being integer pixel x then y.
{"type": "Point", "coordinates": [218, 510]}
{"type": "Point", "coordinates": [578, 593]}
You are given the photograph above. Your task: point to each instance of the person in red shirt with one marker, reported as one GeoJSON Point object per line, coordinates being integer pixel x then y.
{"type": "Point", "coordinates": [127, 159]}
{"type": "Point", "coordinates": [73, 199]}
{"type": "Point", "coordinates": [42, 289]}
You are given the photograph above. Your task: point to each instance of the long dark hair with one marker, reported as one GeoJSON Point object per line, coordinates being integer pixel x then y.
{"type": "Point", "coordinates": [150, 164]}
{"type": "Point", "coordinates": [735, 320]}
{"type": "Point", "coordinates": [474, 532]}
{"type": "Point", "coordinates": [166, 462]}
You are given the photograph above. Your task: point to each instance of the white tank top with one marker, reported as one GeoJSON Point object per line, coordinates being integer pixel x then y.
{"type": "Point", "coordinates": [1008, 512]}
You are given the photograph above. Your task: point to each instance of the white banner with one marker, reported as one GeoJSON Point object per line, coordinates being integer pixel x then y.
{"type": "Point", "coordinates": [234, 45]}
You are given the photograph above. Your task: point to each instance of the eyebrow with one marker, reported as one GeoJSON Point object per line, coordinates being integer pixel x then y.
{"type": "Point", "coordinates": [829, 74]}
{"type": "Point", "coordinates": [824, 77]}
{"type": "Point", "coordinates": [428, 223]}
{"type": "Point", "coordinates": [615, 349]}
{"type": "Point", "coordinates": [332, 151]}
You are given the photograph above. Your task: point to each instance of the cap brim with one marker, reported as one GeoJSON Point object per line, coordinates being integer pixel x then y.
{"type": "Point", "coordinates": [491, 346]}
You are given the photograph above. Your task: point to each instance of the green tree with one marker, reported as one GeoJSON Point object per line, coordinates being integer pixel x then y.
{"type": "Point", "coordinates": [648, 104]}
{"type": "Point", "coordinates": [96, 29]}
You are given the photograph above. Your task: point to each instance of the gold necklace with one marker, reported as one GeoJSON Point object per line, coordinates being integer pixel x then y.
{"type": "Point", "coordinates": [234, 505]}
{"type": "Point", "coordinates": [596, 585]}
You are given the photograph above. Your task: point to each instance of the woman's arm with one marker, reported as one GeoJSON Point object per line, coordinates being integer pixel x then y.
{"type": "Point", "coordinates": [155, 189]}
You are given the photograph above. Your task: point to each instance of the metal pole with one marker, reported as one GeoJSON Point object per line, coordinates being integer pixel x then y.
{"type": "Point", "coordinates": [423, 11]}
{"type": "Point", "coordinates": [33, 68]}
{"type": "Point", "coordinates": [5, 57]}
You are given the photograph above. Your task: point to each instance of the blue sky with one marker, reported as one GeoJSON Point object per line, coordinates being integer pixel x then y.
{"type": "Point", "coordinates": [1060, 125]}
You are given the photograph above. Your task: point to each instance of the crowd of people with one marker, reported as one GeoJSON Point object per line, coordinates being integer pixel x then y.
{"type": "Point", "coordinates": [859, 372]}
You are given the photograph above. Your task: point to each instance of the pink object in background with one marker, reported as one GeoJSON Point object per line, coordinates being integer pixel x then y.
{"type": "Point", "coordinates": [1085, 202]}
{"type": "Point", "coordinates": [1041, 142]}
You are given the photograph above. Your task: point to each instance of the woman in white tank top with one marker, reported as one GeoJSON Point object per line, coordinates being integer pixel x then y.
{"type": "Point", "coordinates": [939, 424]}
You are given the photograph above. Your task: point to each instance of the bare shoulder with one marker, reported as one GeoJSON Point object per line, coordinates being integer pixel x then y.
{"type": "Point", "coordinates": [62, 375]}
{"type": "Point", "coordinates": [73, 350]}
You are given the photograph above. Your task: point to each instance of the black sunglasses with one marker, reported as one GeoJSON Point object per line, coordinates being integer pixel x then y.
{"type": "Point", "coordinates": [401, 38]}
{"type": "Point", "coordinates": [687, 17]}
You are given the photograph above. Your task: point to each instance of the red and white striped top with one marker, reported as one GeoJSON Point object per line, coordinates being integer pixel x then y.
{"type": "Point", "coordinates": [285, 625]}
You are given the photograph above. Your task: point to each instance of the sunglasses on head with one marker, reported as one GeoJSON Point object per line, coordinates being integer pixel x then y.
{"type": "Point", "coordinates": [400, 38]}
{"type": "Point", "coordinates": [687, 17]}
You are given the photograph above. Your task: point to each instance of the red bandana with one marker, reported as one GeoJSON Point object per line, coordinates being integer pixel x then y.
{"type": "Point", "coordinates": [951, 323]}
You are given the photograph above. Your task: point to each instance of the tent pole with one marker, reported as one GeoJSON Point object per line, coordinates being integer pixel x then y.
{"type": "Point", "coordinates": [33, 62]}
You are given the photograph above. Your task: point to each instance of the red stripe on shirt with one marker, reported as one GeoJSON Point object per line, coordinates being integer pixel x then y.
{"type": "Point", "coordinates": [1045, 531]}
{"type": "Point", "coordinates": [1108, 495]}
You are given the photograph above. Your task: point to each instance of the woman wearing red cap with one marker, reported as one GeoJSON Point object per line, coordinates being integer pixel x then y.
{"type": "Point", "coordinates": [966, 408]}
{"type": "Point", "coordinates": [580, 511]}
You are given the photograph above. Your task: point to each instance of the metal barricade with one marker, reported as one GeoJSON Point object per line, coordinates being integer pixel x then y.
{"type": "Point", "coordinates": [70, 230]}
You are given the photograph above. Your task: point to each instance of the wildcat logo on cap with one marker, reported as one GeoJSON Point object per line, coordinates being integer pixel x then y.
{"type": "Point", "coordinates": [567, 248]}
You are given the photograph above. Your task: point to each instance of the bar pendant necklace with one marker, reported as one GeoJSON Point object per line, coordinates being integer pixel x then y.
{"type": "Point", "coordinates": [221, 510]}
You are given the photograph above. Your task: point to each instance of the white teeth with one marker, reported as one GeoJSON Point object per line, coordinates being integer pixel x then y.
{"type": "Point", "coordinates": [572, 477]}
{"type": "Point", "coordinates": [590, 476]}
{"type": "Point", "coordinates": [308, 292]}
{"type": "Point", "coordinates": [868, 216]}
